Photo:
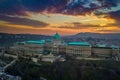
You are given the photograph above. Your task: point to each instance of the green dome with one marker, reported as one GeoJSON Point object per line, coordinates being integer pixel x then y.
{"type": "Point", "coordinates": [56, 36]}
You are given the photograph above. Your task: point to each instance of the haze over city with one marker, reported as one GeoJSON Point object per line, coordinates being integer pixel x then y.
{"type": "Point", "coordinates": [67, 17]}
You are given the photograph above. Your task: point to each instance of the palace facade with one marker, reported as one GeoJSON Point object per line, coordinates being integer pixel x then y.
{"type": "Point", "coordinates": [57, 46]}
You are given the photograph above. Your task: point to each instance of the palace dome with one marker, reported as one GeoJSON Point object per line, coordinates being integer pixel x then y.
{"type": "Point", "coordinates": [56, 36]}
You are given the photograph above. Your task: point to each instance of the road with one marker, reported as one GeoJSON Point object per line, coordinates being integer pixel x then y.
{"type": "Point", "coordinates": [10, 64]}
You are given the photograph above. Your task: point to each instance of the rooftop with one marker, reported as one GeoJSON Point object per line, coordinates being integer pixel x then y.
{"type": "Point", "coordinates": [101, 45]}
{"type": "Point", "coordinates": [20, 42]}
{"type": "Point", "coordinates": [79, 43]}
{"type": "Point", "coordinates": [32, 42]}
{"type": "Point", "coordinates": [114, 47]}
{"type": "Point", "coordinates": [36, 42]}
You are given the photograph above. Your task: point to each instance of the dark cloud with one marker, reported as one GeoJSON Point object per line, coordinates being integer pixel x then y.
{"type": "Point", "coordinates": [115, 15]}
{"type": "Point", "coordinates": [77, 25]}
{"type": "Point", "coordinates": [15, 30]}
{"type": "Point", "coordinates": [12, 7]}
{"type": "Point", "coordinates": [79, 7]}
{"type": "Point", "coordinates": [44, 5]}
{"type": "Point", "coordinates": [110, 31]}
{"type": "Point", "coordinates": [117, 24]}
{"type": "Point", "coordinates": [108, 3]}
{"type": "Point", "coordinates": [23, 21]}
{"type": "Point", "coordinates": [8, 29]}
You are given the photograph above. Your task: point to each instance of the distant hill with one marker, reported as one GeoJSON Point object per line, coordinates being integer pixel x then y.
{"type": "Point", "coordinates": [97, 35]}
{"type": "Point", "coordinates": [96, 38]}
{"type": "Point", "coordinates": [8, 39]}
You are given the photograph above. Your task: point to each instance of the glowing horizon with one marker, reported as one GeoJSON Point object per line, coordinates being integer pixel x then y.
{"type": "Point", "coordinates": [47, 19]}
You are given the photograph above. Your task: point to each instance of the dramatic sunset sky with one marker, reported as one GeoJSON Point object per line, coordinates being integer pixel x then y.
{"type": "Point", "coordinates": [64, 16]}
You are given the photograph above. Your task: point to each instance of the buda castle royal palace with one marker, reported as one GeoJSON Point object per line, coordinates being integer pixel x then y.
{"type": "Point", "coordinates": [56, 49]}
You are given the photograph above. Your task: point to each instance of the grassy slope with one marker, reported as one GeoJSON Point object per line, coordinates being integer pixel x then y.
{"type": "Point", "coordinates": [70, 70]}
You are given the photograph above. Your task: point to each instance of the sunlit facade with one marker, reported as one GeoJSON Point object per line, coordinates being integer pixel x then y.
{"type": "Point", "coordinates": [57, 46]}
{"type": "Point", "coordinates": [54, 46]}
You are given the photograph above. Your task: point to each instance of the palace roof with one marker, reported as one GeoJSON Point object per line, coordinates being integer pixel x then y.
{"type": "Point", "coordinates": [79, 43]}
{"type": "Point", "coordinates": [32, 42]}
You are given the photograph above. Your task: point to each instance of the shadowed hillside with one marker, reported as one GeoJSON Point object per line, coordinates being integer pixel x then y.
{"type": "Point", "coordinates": [70, 70]}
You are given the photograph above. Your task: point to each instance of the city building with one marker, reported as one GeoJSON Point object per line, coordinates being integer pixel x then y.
{"type": "Point", "coordinates": [78, 49]}
{"type": "Point", "coordinates": [102, 52]}
{"type": "Point", "coordinates": [51, 48]}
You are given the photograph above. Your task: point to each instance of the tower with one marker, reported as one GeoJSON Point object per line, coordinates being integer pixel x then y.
{"type": "Point", "coordinates": [57, 43]}
{"type": "Point", "coordinates": [57, 40]}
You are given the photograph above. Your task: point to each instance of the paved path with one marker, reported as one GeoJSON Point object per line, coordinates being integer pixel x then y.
{"type": "Point", "coordinates": [10, 64]}
{"type": "Point", "coordinates": [8, 55]}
